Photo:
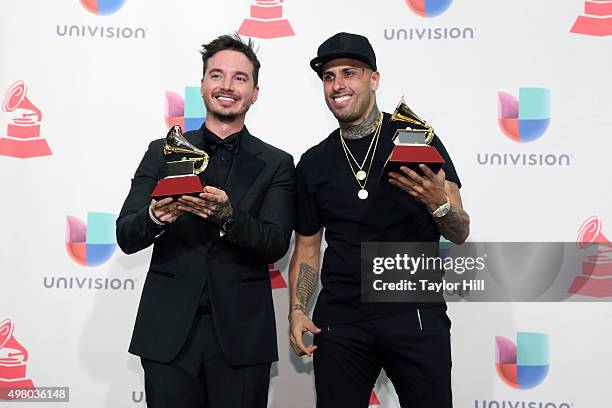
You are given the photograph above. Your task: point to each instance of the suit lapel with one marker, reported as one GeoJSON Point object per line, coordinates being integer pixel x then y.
{"type": "Point", "coordinates": [245, 168]}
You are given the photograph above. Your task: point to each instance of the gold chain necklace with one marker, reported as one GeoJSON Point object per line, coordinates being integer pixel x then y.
{"type": "Point", "coordinates": [362, 176]}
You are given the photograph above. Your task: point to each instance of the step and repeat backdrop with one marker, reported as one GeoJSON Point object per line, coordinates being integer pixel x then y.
{"type": "Point", "coordinates": [518, 91]}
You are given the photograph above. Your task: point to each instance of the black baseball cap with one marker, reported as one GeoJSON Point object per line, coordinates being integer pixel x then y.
{"type": "Point", "coordinates": [344, 45]}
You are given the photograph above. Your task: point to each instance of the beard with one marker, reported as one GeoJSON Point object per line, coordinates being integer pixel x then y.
{"type": "Point", "coordinates": [225, 117]}
{"type": "Point", "coordinates": [346, 117]}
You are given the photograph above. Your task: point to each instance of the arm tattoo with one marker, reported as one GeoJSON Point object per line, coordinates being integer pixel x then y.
{"type": "Point", "coordinates": [363, 129]}
{"type": "Point", "coordinates": [454, 226]}
{"type": "Point", "coordinates": [306, 284]}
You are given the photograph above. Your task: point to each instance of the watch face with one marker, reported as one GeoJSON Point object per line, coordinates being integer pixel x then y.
{"type": "Point", "coordinates": [442, 210]}
{"type": "Point", "coordinates": [227, 225]}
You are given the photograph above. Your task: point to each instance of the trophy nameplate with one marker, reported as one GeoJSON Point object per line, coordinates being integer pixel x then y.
{"type": "Point", "coordinates": [182, 176]}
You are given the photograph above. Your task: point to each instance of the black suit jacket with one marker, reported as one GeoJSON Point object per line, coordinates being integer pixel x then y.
{"type": "Point", "coordinates": [261, 188]}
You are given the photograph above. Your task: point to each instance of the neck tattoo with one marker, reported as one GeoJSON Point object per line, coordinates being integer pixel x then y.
{"type": "Point", "coordinates": [363, 129]}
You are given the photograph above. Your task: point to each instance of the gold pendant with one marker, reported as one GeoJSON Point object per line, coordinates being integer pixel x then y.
{"type": "Point", "coordinates": [362, 194]}
{"type": "Point", "coordinates": [361, 175]}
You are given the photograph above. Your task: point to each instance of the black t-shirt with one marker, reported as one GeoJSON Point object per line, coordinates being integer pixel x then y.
{"type": "Point", "coordinates": [327, 197]}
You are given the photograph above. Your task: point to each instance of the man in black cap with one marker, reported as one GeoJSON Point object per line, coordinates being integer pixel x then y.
{"type": "Point", "coordinates": [339, 191]}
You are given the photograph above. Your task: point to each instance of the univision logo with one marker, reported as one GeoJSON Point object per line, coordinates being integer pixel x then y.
{"type": "Point", "coordinates": [524, 120]}
{"type": "Point", "coordinates": [427, 9]}
{"type": "Point", "coordinates": [90, 244]}
{"type": "Point", "coordinates": [187, 111]}
{"type": "Point", "coordinates": [101, 8]}
{"type": "Point", "coordinates": [523, 365]}
{"type": "Point", "coordinates": [520, 404]}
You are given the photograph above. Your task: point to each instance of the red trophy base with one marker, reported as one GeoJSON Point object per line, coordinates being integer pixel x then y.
{"type": "Point", "coordinates": [24, 149]}
{"type": "Point", "coordinates": [411, 157]}
{"type": "Point", "coordinates": [266, 28]}
{"type": "Point", "coordinates": [177, 186]}
{"type": "Point", "coordinates": [595, 281]}
{"type": "Point", "coordinates": [589, 286]}
{"type": "Point", "coordinates": [599, 27]}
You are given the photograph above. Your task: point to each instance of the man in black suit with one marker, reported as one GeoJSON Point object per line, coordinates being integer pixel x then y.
{"type": "Point", "coordinates": [205, 329]}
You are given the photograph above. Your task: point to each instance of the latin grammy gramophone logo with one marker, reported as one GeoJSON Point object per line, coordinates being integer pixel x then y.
{"type": "Point", "coordinates": [596, 277]}
{"type": "Point", "coordinates": [13, 361]}
{"type": "Point", "coordinates": [266, 21]}
{"type": "Point", "coordinates": [597, 19]}
{"type": "Point", "coordinates": [22, 137]}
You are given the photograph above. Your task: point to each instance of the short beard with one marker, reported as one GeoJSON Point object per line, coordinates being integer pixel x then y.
{"type": "Point", "coordinates": [224, 118]}
{"type": "Point", "coordinates": [346, 118]}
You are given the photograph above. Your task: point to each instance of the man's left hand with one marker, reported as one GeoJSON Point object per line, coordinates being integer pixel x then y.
{"type": "Point", "coordinates": [428, 188]}
{"type": "Point", "coordinates": [212, 204]}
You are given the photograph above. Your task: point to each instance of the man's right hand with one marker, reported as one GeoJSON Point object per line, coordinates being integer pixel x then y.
{"type": "Point", "coordinates": [165, 210]}
{"type": "Point", "coordinates": [299, 324]}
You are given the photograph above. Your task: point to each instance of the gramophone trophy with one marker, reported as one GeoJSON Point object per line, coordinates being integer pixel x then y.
{"type": "Point", "coordinates": [596, 20]}
{"type": "Point", "coordinates": [266, 21]}
{"type": "Point", "coordinates": [182, 176]}
{"type": "Point", "coordinates": [411, 145]}
{"type": "Point", "coordinates": [23, 131]}
{"type": "Point", "coordinates": [596, 278]}
{"type": "Point", "coordinates": [13, 361]}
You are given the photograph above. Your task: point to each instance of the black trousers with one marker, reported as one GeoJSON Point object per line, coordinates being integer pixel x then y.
{"type": "Point", "coordinates": [201, 377]}
{"type": "Point", "coordinates": [413, 348]}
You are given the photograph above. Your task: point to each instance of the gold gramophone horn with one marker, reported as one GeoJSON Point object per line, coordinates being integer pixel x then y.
{"type": "Point", "coordinates": [175, 142]}
{"type": "Point", "coordinates": [403, 113]}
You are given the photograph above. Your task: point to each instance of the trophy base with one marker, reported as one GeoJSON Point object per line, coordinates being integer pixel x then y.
{"type": "Point", "coordinates": [21, 383]}
{"type": "Point", "coordinates": [593, 287]}
{"type": "Point", "coordinates": [23, 131]}
{"type": "Point", "coordinates": [266, 28]}
{"type": "Point", "coordinates": [600, 269]}
{"type": "Point", "coordinates": [599, 27]}
{"type": "Point", "coordinates": [176, 187]}
{"type": "Point", "coordinates": [412, 157]}
{"type": "Point", "coordinates": [24, 149]}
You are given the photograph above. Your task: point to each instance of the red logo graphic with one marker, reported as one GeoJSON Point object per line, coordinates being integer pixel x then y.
{"type": "Point", "coordinates": [374, 401]}
{"type": "Point", "coordinates": [597, 19]}
{"type": "Point", "coordinates": [23, 131]}
{"type": "Point", "coordinates": [266, 21]}
{"type": "Point", "coordinates": [596, 278]}
{"type": "Point", "coordinates": [13, 359]}
{"type": "Point", "coordinates": [276, 277]}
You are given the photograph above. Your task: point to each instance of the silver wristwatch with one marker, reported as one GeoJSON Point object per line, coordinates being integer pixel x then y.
{"type": "Point", "coordinates": [442, 210]}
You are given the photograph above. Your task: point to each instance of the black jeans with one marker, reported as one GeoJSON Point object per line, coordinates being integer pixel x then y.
{"type": "Point", "coordinates": [413, 348]}
{"type": "Point", "coordinates": [200, 377]}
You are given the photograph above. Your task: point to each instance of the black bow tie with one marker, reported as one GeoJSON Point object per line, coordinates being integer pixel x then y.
{"type": "Point", "coordinates": [212, 144]}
